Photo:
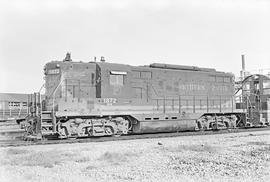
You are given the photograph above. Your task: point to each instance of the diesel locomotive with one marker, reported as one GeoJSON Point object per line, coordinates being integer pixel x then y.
{"type": "Point", "coordinates": [104, 99]}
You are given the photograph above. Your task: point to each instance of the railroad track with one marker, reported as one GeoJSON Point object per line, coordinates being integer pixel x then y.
{"type": "Point", "coordinates": [19, 142]}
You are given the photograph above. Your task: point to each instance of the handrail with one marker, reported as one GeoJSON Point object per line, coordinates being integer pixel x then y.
{"type": "Point", "coordinates": [55, 92]}
{"type": "Point", "coordinates": [40, 99]}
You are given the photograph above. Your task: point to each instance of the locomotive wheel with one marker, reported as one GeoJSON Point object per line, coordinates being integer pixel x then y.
{"type": "Point", "coordinates": [29, 131]}
{"type": "Point", "coordinates": [241, 125]}
{"type": "Point", "coordinates": [62, 131]}
{"type": "Point", "coordinates": [199, 125]}
{"type": "Point", "coordinates": [227, 125]}
{"type": "Point", "coordinates": [109, 130]}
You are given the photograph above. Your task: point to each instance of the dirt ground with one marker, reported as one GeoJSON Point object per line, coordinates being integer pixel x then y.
{"type": "Point", "coordinates": [224, 157]}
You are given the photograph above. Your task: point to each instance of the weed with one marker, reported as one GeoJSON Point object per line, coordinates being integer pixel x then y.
{"type": "Point", "coordinates": [83, 159]}
{"type": "Point", "coordinates": [90, 167]}
{"type": "Point", "coordinates": [46, 159]}
{"type": "Point", "coordinates": [257, 143]}
{"type": "Point", "coordinates": [115, 158]}
{"type": "Point", "coordinates": [195, 148]}
{"type": "Point", "coordinates": [16, 151]}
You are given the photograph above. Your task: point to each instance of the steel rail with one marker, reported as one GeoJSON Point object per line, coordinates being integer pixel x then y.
{"type": "Point", "coordinates": [19, 142]}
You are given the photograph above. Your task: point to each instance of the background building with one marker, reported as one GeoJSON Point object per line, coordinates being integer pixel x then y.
{"type": "Point", "coordinates": [13, 106]}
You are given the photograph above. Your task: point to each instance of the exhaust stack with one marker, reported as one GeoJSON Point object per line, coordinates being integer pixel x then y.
{"type": "Point", "coordinates": [243, 71]}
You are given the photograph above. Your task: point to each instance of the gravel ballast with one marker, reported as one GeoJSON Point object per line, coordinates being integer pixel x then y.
{"type": "Point", "coordinates": [224, 157]}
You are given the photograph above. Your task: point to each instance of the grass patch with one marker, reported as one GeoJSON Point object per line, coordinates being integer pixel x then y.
{"type": "Point", "coordinates": [261, 143]}
{"type": "Point", "coordinates": [43, 159]}
{"type": "Point", "coordinates": [257, 143]}
{"type": "Point", "coordinates": [200, 166]}
{"type": "Point", "coordinates": [262, 153]}
{"type": "Point", "coordinates": [108, 159]}
{"type": "Point", "coordinates": [16, 151]}
{"type": "Point", "coordinates": [116, 158]}
{"type": "Point", "coordinates": [90, 167]}
{"type": "Point", "coordinates": [195, 148]}
{"type": "Point", "coordinates": [82, 159]}
{"type": "Point", "coordinates": [47, 159]}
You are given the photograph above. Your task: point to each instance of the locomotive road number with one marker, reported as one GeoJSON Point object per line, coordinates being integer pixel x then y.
{"type": "Point", "coordinates": [109, 100]}
{"type": "Point", "coordinates": [53, 71]}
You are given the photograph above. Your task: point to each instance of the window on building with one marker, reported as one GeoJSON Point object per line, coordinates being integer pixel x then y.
{"type": "Point", "coordinates": [266, 84]}
{"type": "Point", "coordinates": [246, 86]}
{"type": "Point", "coordinates": [14, 104]}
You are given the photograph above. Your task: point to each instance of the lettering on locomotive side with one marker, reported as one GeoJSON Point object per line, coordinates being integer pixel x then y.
{"type": "Point", "coordinates": [220, 88]}
{"type": "Point", "coordinates": [200, 87]}
{"type": "Point", "coordinates": [192, 86]}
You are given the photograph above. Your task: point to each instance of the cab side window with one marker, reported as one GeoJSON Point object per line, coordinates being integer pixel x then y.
{"type": "Point", "coordinates": [117, 80]}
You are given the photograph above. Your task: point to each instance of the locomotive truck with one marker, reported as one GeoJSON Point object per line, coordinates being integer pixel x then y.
{"type": "Point", "coordinates": [105, 99]}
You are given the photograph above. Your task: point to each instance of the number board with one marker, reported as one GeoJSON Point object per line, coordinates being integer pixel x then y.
{"type": "Point", "coordinates": [109, 101]}
{"type": "Point", "coordinates": [53, 71]}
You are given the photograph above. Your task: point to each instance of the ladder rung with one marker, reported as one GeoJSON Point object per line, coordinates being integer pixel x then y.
{"type": "Point", "coordinates": [46, 132]}
{"type": "Point", "coordinates": [47, 112]}
{"type": "Point", "coordinates": [46, 125]}
{"type": "Point", "coordinates": [46, 118]}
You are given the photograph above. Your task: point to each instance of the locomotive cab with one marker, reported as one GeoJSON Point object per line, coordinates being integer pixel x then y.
{"type": "Point", "coordinates": [69, 84]}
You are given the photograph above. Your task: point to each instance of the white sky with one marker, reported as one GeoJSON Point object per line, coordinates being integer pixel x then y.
{"type": "Point", "coordinates": [208, 33]}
